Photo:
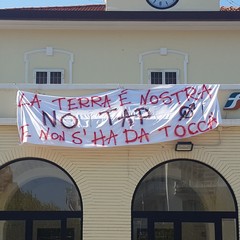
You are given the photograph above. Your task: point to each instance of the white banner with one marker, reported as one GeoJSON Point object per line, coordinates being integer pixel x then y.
{"type": "Point", "coordinates": [118, 117]}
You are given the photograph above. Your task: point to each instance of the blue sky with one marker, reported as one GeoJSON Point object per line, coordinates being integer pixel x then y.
{"type": "Point", "coordinates": [235, 3]}
{"type": "Point", "coordinates": [38, 3]}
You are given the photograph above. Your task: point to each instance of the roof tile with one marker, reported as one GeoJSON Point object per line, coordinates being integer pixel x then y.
{"type": "Point", "coordinates": [230, 9]}
{"type": "Point", "coordinates": [79, 8]}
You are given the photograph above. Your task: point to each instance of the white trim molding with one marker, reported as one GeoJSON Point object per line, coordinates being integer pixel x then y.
{"type": "Point", "coordinates": [91, 86]}
{"type": "Point", "coordinates": [49, 52]}
{"type": "Point", "coordinates": [163, 52]}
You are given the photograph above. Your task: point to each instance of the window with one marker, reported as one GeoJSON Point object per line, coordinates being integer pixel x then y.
{"type": "Point", "coordinates": [183, 200]}
{"type": "Point", "coordinates": [39, 200]}
{"type": "Point", "coordinates": [163, 76]}
{"type": "Point", "coordinates": [49, 76]}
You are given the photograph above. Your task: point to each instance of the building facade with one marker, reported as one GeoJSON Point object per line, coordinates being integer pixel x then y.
{"type": "Point", "coordinates": [142, 192]}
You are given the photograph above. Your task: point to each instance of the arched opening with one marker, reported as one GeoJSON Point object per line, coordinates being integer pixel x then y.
{"type": "Point", "coordinates": [184, 200]}
{"type": "Point", "coordinates": [38, 201]}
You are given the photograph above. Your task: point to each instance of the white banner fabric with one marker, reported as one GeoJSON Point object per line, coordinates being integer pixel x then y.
{"type": "Point", "coordinates": [118, 117]}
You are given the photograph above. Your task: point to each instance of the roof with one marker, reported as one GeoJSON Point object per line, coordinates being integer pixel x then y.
{"type": "Point", "coordinates": [79, 8]}
{"type": "Point", "coordinates": [230, 9]}
{"type": "Point", "coordinates": [98, 12]}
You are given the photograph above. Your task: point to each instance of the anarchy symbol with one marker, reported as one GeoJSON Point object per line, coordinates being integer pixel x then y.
{"type": "Point", "coordinates": [187, 111]}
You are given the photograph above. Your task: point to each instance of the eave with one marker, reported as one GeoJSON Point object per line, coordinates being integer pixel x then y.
{"type": "Point", "coordinates": [93, 20]}
{"type": "Point", "coordinates": [43, 15]}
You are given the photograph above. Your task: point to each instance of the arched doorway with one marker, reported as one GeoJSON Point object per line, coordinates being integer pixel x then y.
{"type": "Point", "coordinates": [38, 201]}
{"type": "Point", "coordinates": [184, 200]}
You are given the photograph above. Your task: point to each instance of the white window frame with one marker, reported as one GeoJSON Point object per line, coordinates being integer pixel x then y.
{"type": "Point", "coordinates": [163, 71]}
{"type": "Point", "coordinates": [49, 71]}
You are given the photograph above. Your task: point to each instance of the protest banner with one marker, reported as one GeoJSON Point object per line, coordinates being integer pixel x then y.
{"type": "Point", "coordinates": [118, 117]}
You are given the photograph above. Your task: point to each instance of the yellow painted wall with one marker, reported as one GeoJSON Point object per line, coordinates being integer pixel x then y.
{"type": "Point", "coordinates": [107, 177]}
{"type": "Point", "coordinates": [113, 56]}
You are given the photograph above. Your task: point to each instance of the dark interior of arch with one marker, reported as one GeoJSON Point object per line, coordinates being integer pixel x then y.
{"type": "Point", "coordinates": [36, 185]}
{"type": "Point", "coordinates": [183, 185]}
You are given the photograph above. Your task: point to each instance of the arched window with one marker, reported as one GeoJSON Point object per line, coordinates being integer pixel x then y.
{"type": "Point", "coordinates": [183, 200]}
{"type": "Point", "coordinates": [38, 201]}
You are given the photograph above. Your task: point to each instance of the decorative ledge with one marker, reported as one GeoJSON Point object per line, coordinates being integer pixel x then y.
{"type": "Point", "coordinates": [93, 86]}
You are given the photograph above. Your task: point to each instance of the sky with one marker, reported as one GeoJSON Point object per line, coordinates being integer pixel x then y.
{"type": "Point", "coordinates": [48, 3]}
{"type": "Point", "coordinates": [45, 3]}
{"type": "Point", "coordinates": [235, 3]}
